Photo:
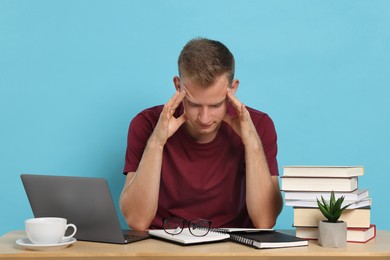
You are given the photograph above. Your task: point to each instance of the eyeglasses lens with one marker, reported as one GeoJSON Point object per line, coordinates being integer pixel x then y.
{"type": "Point", "coordinates": [199, 227]}
{"type": "Point", "coordinates": [173, 226]}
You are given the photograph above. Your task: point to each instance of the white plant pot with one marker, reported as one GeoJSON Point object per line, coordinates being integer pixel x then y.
{"type": "Point", "coordinates": [332, 234]}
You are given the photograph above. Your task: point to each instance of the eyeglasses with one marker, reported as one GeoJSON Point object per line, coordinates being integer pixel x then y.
{"type": "Point", "coordinates": [197, 227]}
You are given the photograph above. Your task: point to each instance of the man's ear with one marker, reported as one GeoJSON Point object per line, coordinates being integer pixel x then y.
{"type": "Point", "coordinates": [176, 82]}
{"type": "Point", "coordinates": [235, 84]}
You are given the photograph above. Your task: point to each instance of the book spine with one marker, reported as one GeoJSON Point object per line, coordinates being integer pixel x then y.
{"type": "Point", "coordinates": [241, 240]}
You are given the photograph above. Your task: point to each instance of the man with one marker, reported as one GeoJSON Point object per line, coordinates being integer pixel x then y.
{"type": "Point", "coordinates": [203, 154]}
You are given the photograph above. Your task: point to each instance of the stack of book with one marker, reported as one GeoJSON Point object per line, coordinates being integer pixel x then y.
{"type": "Point", "coordinates": [302, 185]}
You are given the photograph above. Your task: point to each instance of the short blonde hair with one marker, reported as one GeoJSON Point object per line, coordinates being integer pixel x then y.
{"type": "Point", "coordinates": [203, 60]}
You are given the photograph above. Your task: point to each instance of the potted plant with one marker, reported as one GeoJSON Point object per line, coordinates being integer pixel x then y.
{"type": "Point", "coordinates": [332, 232]}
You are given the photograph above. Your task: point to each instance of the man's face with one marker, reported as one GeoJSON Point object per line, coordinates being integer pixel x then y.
{"type": "Point", "coordinates": [205, 108]}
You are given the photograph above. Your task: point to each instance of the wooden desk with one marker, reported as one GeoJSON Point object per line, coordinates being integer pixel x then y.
{"type": "Point", "coordinates": [156, 249]}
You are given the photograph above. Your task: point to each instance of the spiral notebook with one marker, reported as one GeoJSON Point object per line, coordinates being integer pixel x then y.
{"type": "Point", "coordinates": [257, 238]}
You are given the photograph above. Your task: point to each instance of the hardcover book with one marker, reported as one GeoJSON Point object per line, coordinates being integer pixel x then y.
{"type": "Point", "coordinates": [319, 184]}
{"type": "Point", "coordinates": [355, 235]}
{"type": "Point", "coordinates": [309, 217]}
{"type": "Point", "coordinates": [323, 171]}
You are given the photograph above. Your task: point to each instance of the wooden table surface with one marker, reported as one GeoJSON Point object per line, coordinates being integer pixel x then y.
{"type": "Point", "coordinates": [157, 249]}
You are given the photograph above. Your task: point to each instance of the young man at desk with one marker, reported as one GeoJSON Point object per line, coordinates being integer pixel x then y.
{"type": "Point", "coordinates": [203, 154]}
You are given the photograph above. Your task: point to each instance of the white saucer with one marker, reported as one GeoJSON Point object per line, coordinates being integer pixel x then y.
{"type": "Point", "coordinates": [26, 243]}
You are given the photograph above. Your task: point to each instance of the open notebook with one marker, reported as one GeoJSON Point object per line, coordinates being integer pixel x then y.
{"type": "Point", "coordinates": [257, 238]}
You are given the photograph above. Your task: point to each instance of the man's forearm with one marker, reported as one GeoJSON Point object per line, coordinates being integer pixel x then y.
{"type": "Point", "coordinates": [263, 197]}
{"type": "Point", "coordinates": [139, 198]}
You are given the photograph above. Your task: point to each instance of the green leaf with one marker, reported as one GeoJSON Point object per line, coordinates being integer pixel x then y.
{"type": "Point", "coordinates": [325, 204]}
{"type": "Point", "coordinates": [324, 210]}
{"type": "Point", "coordinates": [333, 210]}
{"type": "Point", "coordinates": [336, 216]}
{"type": "Point", "coordinates": [332, 200]}
{"type": "Point", "coordinates": [346, 206]}
{"type": "Point", "coordinates": [338, 203]}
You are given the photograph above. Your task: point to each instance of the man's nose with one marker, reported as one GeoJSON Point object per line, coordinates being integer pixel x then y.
{"type": "Point", "coordinates": [204, 115]}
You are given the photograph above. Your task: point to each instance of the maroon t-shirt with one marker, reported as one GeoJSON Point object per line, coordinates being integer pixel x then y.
{"type": "Point", "coordinates": [201, 180]}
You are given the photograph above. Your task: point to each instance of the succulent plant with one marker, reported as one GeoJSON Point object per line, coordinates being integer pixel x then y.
{"type": "Point", "coordinates": [333, 210]}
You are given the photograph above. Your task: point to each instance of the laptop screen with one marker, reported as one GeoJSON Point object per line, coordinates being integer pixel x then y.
{"type": "Point", "coordinates": [83, 201]}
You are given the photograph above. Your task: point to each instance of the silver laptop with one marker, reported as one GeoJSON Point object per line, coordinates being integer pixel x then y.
{"type": "Point", "coordinates": [83, 201]}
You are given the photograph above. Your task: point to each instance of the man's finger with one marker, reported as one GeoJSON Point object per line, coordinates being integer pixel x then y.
{"type": "Point", "coordinates": [174, 102]}
{"type": "Point", "coordinates": [182, 119]}
{"type": "Point", "coordinates": [179, 99]}
{"type": "Point", "coordinates": [236, 103]}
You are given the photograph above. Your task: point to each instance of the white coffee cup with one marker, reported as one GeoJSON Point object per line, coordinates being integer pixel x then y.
{"type": "Point", "coordinates": [48, 230]}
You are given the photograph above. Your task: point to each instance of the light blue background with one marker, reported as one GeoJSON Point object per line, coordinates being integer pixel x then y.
{"type": "Point", "coordinates": [74, 73]}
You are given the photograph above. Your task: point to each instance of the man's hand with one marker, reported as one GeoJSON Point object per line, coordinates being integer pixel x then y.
{"type": "Point", "coordinates": [167, 124]}
{"type": "Point", "coordinates": [242, 122]}
{"type": "Point", "coordinates": [262, 189]}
